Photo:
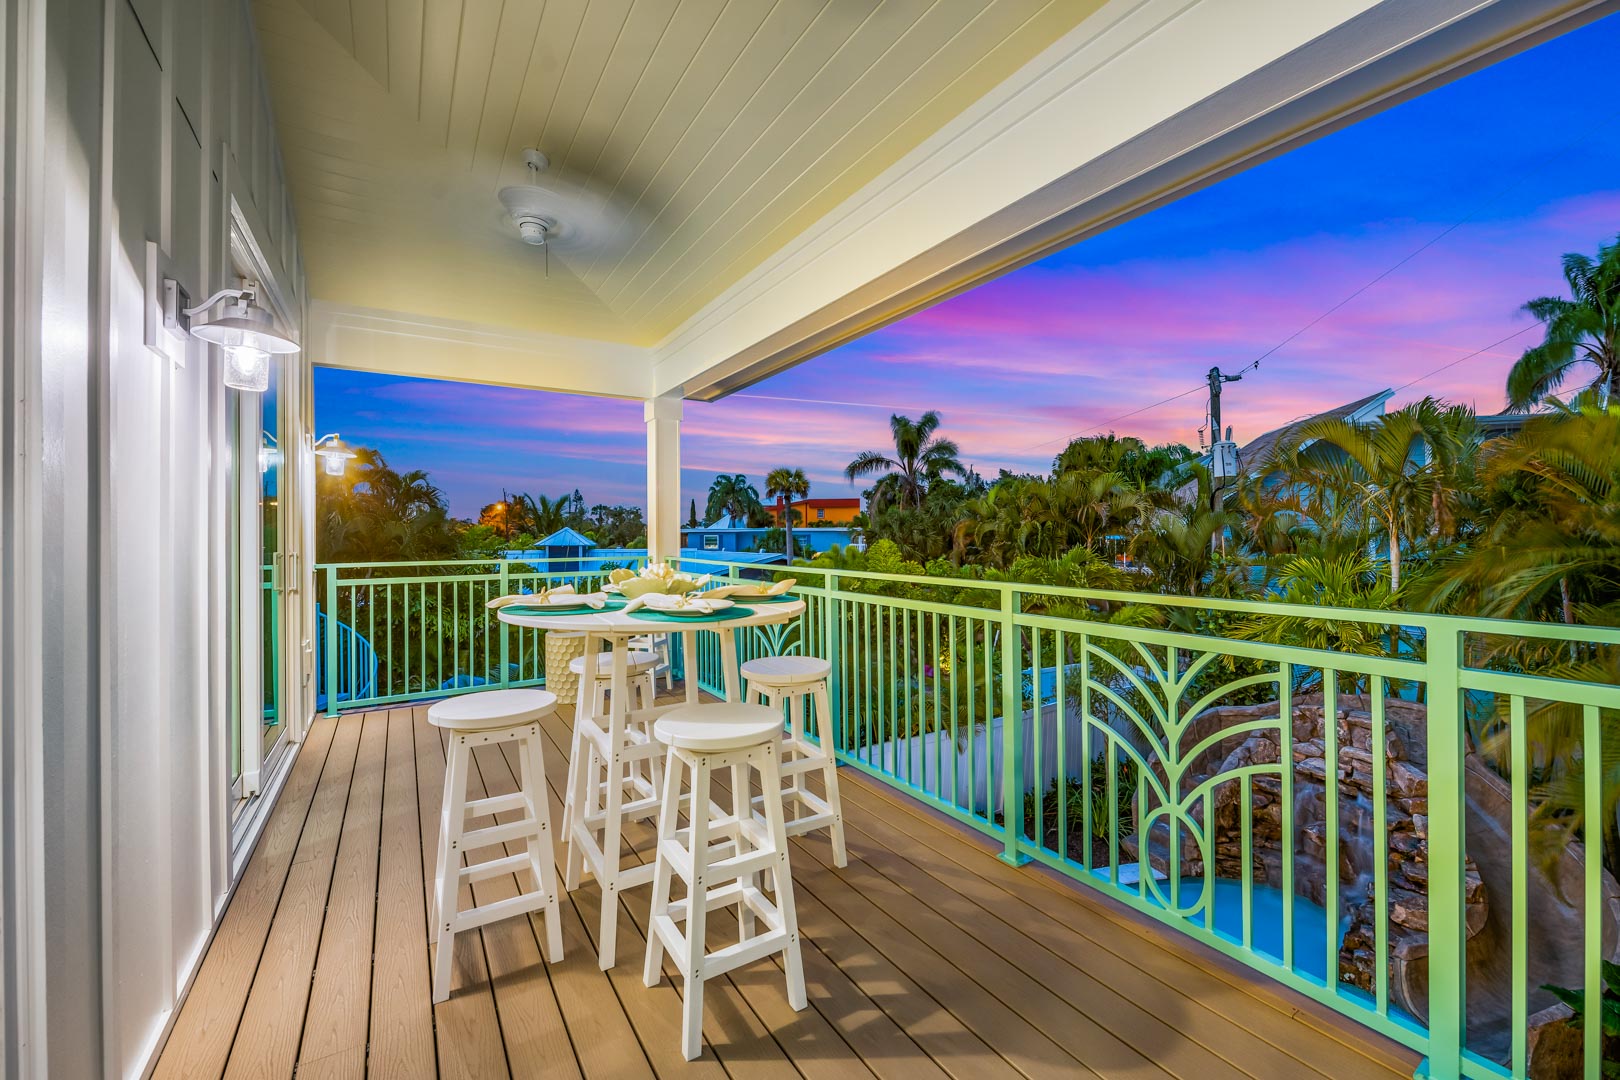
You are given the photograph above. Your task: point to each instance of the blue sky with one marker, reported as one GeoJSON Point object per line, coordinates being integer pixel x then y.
{"type": "Point", "coordinates": [1464, 199]}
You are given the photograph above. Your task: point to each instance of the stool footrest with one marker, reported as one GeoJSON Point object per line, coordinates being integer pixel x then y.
{"type": "Point", "coordinates": [511, 864]}
{"type": "Point", "coordinates": [521, 904]}
{"type": "Point", "coordinates": [802, 765]}
{"type": "Point", "coordinates": [499, 834]}
{"type": "Point", "coordinates": [497, 804]}
{"type": "Point", "coordinates": [630, 811]}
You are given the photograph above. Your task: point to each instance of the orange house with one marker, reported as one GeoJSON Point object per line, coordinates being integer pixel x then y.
{"type": "Point", "coordinates": [819, 511]}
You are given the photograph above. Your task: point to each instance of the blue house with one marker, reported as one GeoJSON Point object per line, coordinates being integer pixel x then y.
{"type": "Point", "coordinates": [727, 535]}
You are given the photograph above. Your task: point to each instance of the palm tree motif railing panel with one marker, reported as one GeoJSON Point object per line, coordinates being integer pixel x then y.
{"type": "Point", "coordinates": [1394, 827]}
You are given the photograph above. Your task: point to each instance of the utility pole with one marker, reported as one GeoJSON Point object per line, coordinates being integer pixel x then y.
{"type": "Point", "coordinates": [1223, 464]}
{"type": "Point", "coordinates": [506, 516]}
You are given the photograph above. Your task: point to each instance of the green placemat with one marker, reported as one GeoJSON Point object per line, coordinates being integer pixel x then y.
{"type": "Point", "coordinates": [613, 604]}
{"type": "Point", "coordinates": [737, 612]}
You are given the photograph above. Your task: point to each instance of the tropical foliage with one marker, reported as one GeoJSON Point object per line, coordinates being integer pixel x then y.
{"type": "Point", "coordinates": [734, 495]}
{"type": "Point", "coordinates": [786, 486]}
{"type": "Point", "coordinates": [1581, 329]}
{"type": "Point", "coordinates": [920, 458]}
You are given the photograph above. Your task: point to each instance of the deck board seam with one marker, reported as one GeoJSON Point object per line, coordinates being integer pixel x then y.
{"type": "Point", "coordinates": [326, 901]}
{"type": "Point", "coordinates": [281, 893]}
{"type": "Point", "coordinates": [1234, 975]}
{"type": "Point", "coordinates": [678, 989]}
{"type": "Point", "coordinates": [858, 824]}
{"type": "Point", "coordinates": [854, 856]}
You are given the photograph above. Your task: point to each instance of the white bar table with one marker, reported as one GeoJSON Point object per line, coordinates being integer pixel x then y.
{"type": "Point", "coordinates": [615, 629]}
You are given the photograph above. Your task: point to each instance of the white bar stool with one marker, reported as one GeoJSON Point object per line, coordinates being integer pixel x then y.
{"type": "Point", "coordinates": [591, 706]}
{"type": "Point", "coordinates": [614, 778]}
{"type": "Point", "coordinates": [487, 719]}
{"type": "Point", "coordinates": [795, 680]}
{"type": "Point", "coordinates": [719, 857]}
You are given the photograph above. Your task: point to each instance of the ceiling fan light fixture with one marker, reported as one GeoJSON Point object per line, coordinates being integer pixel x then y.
{"type": "Point", "coordinates": [533, 230]}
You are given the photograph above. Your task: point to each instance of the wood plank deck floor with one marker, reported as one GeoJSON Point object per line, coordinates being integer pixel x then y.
{"type": "Point", "coordinates": [925, 957]}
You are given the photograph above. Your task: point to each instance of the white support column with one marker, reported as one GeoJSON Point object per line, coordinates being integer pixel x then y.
{"type": "Point", "coordinates": [663, 476]}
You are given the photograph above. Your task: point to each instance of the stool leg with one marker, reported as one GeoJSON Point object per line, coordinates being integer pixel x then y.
{"type": "Point", "coordinates": [668, 814]}
{"type": "Point", "coordinates": [743, 807]}
{"type": "Point", "coordinates": [447, 883]}
{"type": "Point", "coordinates": [692, 963]}
{"type": "Point", "coordinates": [770, 775]}
{"type": "Point", "coordinates": [829, 777]}
{"type": "Point", "coordinates": [575, 742]}
{"type": "Point", "coordinates": [542, 858]}
{"type": "Point", "coordinates": [582, 785]}
{"type": "Point", "coordinates": [613, 825]}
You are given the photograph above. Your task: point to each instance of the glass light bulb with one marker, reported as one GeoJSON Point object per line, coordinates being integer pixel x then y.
{"type": "Point", "coordinates": [333, 463]}
{"type": "Point", "coordinates": [247, 368]}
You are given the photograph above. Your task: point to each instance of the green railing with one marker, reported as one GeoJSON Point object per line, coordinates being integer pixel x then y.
{"type": "Point", "coordinates": [1148, 763]}
{"type": "Point", "coordinates": [429, 628]}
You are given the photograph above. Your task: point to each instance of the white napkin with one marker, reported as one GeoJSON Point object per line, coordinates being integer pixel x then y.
{"type": "Point", "coordinates": [666, 602]}
{"type": "Point", "coordinates": [752, 589]}
{"type": "Point", "coordinates": [594, 600]}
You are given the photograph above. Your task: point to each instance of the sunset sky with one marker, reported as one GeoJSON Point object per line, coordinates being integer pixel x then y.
{"type": "Point", "coordinates": [1391, 249]}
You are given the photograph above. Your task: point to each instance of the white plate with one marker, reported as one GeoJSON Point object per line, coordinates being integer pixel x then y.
{"type": "Point", "coordinates": [697, 613]}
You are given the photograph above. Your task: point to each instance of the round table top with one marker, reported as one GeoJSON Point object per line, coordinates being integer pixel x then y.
{"type": "Point", "coordinates": [614, 623]}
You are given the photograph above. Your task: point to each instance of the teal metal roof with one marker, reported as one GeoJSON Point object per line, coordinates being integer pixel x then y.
{"type": "Point", "coordinates": [566, 537]}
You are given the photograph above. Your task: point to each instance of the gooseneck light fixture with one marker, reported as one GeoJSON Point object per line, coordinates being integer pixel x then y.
{"type": "Point", "coordinates": [333, 454]}
{"type": "Point", "coordinates": [248, 334]}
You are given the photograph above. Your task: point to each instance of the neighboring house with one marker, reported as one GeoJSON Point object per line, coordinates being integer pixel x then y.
{"type": "Point", "coordinates": [813, 512]}
{"type": "Point", "coordinates": [565, 547]}
{"type": "Point", "coordinates": [728, 535]}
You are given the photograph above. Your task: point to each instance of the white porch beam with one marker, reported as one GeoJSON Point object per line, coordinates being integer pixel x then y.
{"type": "Point", "coordinates": [365, 339]}
{"type": "Point", "coordinates": [663, 416]}
{"type": "Point", "coordinates": [1140, 104]}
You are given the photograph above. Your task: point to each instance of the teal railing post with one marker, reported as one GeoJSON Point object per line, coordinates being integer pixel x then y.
{"type": "Point", "coordinates": [1447, 1003]}
{"type": "Point", "coordinates": [832, 725]}
{"type": "Point", "coordinates": [1012, 734]}
{"type": "Point", "coordinates": [506, 641]}
{"type": "Point", "coordinates": [331, 641]}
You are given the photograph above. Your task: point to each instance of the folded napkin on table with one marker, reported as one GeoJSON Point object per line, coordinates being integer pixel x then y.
{"type": "Point", "coordinates": [667, 602]}
{"type": "Point", "coordinates": [594, 600]}
{"type": "Point", "coordinates": [752, 589]}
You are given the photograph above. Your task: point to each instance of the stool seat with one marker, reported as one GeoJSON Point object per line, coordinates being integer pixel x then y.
{"type": "Point", "coordinates": [491, 709]}
{"type": "Point", "coordinates": [639, 662]}
{"type": "Point", "coordinates": [786, 670]}
{"type": "Point", "coordinates": [730, 725]}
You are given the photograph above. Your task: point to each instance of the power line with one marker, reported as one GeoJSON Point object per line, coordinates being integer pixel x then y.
{"type": "Point", "coordinates": [1470, 356]}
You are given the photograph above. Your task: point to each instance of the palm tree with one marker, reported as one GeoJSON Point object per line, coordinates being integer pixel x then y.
{"type": "Point", "coordinates": [540, 516]}
{"type": "Point", "coordinates": [1394, 485]}
{"type": "Point", "coordinates": [1552, 548]}
{"type": "Point", "coordinates": [732, 495]}
{"type": "Point", "coordinates": [920, 458]}
{"type": "Point", "coordinates": [784, 485]}
{"type": "Point", "coordinates": [1585, 328]}
{"type": "Point", "coordinates": [1098, 502]}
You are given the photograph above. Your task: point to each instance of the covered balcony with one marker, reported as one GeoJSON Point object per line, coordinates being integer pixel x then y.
{"type": "Point", "coordinates": [1081, 839]}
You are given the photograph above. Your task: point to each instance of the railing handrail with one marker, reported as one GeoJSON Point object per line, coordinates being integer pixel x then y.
{"type": "Point", "coordinates": [1434, 621]}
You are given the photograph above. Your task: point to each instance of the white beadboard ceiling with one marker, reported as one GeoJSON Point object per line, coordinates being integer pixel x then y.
{"type": "Point", "coordinates": [728, 127]}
